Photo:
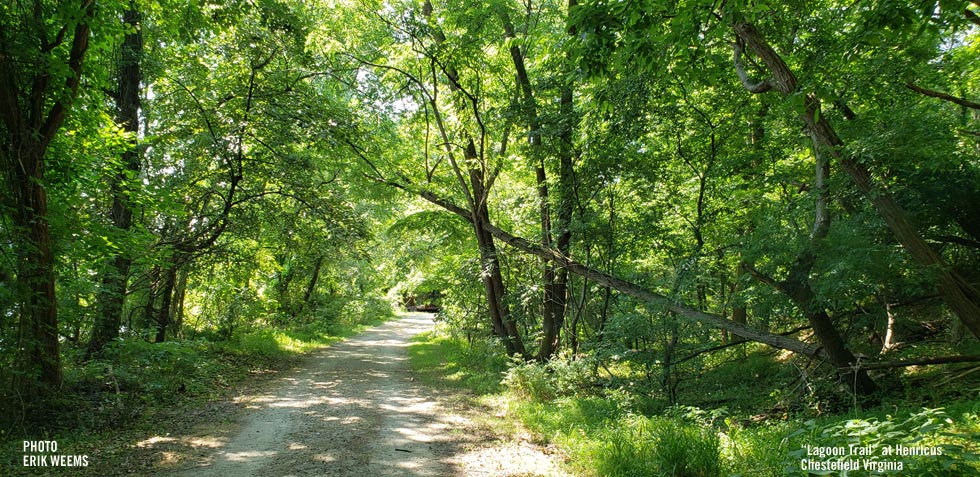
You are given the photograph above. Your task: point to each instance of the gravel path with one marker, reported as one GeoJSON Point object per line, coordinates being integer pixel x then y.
{"type": "Point", "coordinates": [352, 409]}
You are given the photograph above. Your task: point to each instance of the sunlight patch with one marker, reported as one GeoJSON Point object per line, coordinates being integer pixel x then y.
{"type": "Point", "coordinates": [248, 455]}
{"type": "Point", "coordinates": [155, 440]}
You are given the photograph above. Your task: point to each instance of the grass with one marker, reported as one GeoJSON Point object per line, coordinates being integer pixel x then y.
{"type": "Point", "coordinates": [609, 426]}
{"type": "Point", "coordinates": [443, 361]}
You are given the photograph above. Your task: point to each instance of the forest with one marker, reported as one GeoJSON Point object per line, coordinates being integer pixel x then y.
{"type": "Point", "coordinates": [680, 238]}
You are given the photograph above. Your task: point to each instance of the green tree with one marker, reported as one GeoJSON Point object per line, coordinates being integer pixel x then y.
{"type": "Point", "coordinates": [42, 50]}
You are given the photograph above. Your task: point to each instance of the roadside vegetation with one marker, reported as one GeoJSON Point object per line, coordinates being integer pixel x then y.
{"type": "Point", "coordinates": [741, 419]}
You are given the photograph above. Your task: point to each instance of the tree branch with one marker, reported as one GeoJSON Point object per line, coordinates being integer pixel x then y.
{"type": "Point", "coordinates": [971, 17]}
{"type": "Point", "coordinates": [922, 362]}
{"type": "Point", "coordinates": [734, 343]}
{"type": "Point", "coordinates": [943, 96]}
{"type": "Point", "coordinates": [743, 75]}
{"type": "Point", "coordinates": [76, 56]}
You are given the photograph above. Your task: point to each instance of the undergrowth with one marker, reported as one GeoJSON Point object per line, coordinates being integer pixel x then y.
{"type": "Point", "coordinates": [612, 425]}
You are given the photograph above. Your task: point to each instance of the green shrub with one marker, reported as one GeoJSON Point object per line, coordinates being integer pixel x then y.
{"type": "Point", "coordinates": [531, 381]}
{"type": "Point", "coordinates": [559, 377]}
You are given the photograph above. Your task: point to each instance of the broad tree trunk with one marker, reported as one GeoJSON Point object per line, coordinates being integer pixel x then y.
{"type": "Point", "coordinates": [111, 298]}
{"type": "Point", "coordinates": [35, 269]}
{"type": "Point", "coordinates": [33, 109]}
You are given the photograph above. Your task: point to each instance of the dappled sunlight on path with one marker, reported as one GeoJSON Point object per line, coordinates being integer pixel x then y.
{"type": "Point", "coordinates": [351, 409]}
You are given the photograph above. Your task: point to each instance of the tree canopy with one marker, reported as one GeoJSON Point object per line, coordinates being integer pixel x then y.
{"type": "Point", "coordinates": [637, 182]}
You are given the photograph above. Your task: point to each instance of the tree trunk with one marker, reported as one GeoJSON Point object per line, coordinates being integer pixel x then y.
{"type": "Point", "coordinates": [566, 199]}
{"type": "Point", "coordinates": [959, 295]}
{"type": "Point", "coordinates": [740, 313]}
{"type": "Point", "coordinates": [180, 291]}
{"type": "Point", "coordinates": [493, 281]}
{"type": "Point", "coordinates": [35, 269]}
{"type": "Point", "coordinates": [163, 318]}
{"type": "Point", "coordinates": [33, 109]}
{"type": "Point", "coordinates": [312, 285]}
{"type": "Point", "coordinates": [112, 294]}
{"type": "Point", "coordinates": [152, 292]}
{"type": "Point", "coordinates": [797, 287]}
{"type": "Point", "coordinates": [554, 282]}
{"type": "Point", "coordinates": [889, 340]}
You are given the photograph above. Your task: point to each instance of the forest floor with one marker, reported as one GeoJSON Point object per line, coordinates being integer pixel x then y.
{"type": "Point", "coordinates": [353, 408]}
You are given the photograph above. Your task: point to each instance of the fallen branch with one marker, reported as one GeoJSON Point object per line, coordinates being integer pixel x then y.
{"type": "Point", "coordinates": [683, 311]}
{"type": "Point", "coordinates": [733, 343]}
{"type": "Point", "coordinates": [922, 362]}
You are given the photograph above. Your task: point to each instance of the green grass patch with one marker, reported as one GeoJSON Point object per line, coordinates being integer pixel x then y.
{"type": "Point", "coordinates": [604, 436]}
{"type": "Point", "coordinates": [444, 361]}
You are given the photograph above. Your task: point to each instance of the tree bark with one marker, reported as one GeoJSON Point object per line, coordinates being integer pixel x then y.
{"type": "Point", "coordinates": [493, 281]}
{"type": "Point", "coordinates": [312, 284]}
{"type": "Point", "coordinates": [566, 195]}
{"type": "Point", "coordinates": [35, 269]}
{"type": "Point", "coordinates": [554, 281]}
{"type": "Point", "coordinates": [163, 317]}
{"type": "Point", "coordinates": [180, 291]}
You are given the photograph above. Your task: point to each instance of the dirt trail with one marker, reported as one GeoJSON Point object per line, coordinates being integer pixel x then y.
{"type": "Point", "coordinates": [354, 409]}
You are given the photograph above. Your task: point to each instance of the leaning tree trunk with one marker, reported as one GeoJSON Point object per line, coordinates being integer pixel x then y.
{"type": "Point", "coordinates": [493, 281]}
{"type": "Point", "coordinates": [797, 287]}
{"type": "Point", "coordinates": [631, 289]}
{"type": "Point", "coordinates": [958, 294]}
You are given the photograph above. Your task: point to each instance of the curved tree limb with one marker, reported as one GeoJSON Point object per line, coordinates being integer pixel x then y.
{"type": "Point", "coordinates": [943, 96]}
{"type": "Point", "coordinates": [738, 48]}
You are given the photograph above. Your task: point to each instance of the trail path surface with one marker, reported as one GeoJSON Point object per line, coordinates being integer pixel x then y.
{"type": "Point", "coordinates": [352, 409]}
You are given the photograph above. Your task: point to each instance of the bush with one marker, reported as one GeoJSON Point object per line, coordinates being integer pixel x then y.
{"type": "Point", "coordinates": [531, 381]}
{"type": "Point", "coordinates": [560, 377]}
